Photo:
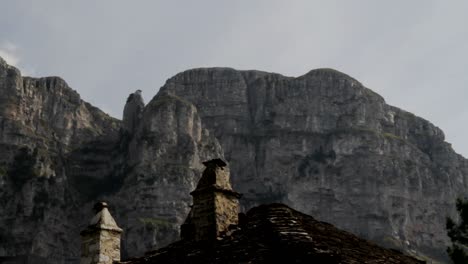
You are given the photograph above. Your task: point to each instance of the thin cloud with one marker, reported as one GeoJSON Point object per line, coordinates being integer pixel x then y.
{"type": "Point", "coordinates": [411, 52]}
{"type": "Point", "coordinates": [9, 52]}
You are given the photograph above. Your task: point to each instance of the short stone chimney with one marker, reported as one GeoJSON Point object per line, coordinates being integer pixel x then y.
{"type": "Point", "coordinates": [215, 205]}
{"type": "Point", "coordinates": [100, 241]}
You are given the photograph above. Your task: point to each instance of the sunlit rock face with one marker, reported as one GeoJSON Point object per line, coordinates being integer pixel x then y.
{"type": "Point", "coordinates": [321, 143]}
{"type": "Point", "coordinates": [326, 145]}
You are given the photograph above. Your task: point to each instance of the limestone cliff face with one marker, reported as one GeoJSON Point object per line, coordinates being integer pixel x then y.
{"type": "Point", "coordinates": [133, 111]}
{"type": "Point", "coordinates": [59, 155]}
{"type": "Point", "coordinates": [164, 164]}
{"type": "Point", "coordinates": [322, 143]}
{"type": "Point", "coordinates": [327, 146]}
{"type": "Point", "coordinates": [42, 121]}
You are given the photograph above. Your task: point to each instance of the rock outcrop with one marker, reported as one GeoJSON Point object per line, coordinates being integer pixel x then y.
{"type": "Point", "coordinates": [328, 146]}
{"type": "Point", "coordinates": [42, 121]}
{"type": "Point", "coordinates": [133, 111]}
{"type": "Point", "coordinates": [164, 163]}
{"type": "Point", "coordinates": [59, 154]}
{"type": "Point", "coordinates": [321, 143]}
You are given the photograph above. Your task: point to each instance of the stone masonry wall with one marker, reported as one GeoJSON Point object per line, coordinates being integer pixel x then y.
{"type": "Point", "coordinates": [89, 248]}
{"type": "Point", "coordinates": [203, 216]}
{"type": "Point", "coordinates": [102, 247]}
{"type": "Point", "coordinates": [110, 247]}
{"type": "Point", "coordinates": [226, 210]}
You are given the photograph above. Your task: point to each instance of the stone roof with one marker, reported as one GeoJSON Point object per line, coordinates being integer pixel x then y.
{"type": "Point", "coordinates": [276, 233]}
{"type": "Point", "coordinates": [102, 219]}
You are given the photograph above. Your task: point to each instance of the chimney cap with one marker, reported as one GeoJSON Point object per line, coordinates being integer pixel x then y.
{"type": "Point", "coordinates": [215, 162]}
{"type": "Point", "coordinates": [99, 206]}
{"type": "Point", "coordinates": [102, 220]}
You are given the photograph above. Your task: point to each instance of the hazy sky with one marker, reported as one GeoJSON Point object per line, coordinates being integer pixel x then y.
{"type": "Point", "coordinates": [413, 53]}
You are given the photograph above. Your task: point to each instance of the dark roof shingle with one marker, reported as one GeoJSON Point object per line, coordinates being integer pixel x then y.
{"type": "Point", "coordinates": [275, 233]}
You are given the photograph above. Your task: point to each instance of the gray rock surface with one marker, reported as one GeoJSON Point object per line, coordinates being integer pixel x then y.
{"type": "Point", "coordinates": [321, 142]}
{"type": "Point", "coordinates": [133, 111]}
{"type": "Point", "coordinates": [331, 148]}
{"type": "Point", "coordinates": [42, 121]}
{"type": "Point", "coordinates": [164, 163]}
{"type": "Point", "coordinates": [59, 155]}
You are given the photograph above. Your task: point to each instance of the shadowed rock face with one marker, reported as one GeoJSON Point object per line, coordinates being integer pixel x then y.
{"type": "Point", "coordinates": [132, 112]}
{"type": "Point", "coordinates": [321, 143]}
{"type": "Point", "coordinates": [43, 121]}
{"type": "Point", "coordinates": [58, 155]}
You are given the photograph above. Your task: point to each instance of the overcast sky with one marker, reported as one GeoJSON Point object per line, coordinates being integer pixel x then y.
{"type": "Point", "coordinates": [413, 53]}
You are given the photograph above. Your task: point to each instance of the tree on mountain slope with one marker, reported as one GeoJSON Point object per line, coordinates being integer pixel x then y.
{"type": "Point", "coordinates": [458, 233]}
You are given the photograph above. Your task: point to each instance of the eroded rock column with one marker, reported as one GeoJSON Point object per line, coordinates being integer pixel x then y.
{"type": "Point", "coordinates": [133, 112]}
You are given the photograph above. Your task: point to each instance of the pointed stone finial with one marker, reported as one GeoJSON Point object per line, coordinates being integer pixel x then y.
{"type": "Point", "coordinates": [215, 204]}
{"type": "Point", "coordinates": [101, 239]}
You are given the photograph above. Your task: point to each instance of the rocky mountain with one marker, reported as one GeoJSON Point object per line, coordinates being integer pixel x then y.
{"type": "Point", "coordinates": [321, 143]}
{"type": "Point", "coordinates": [326, 145]}
{"type": "Point", "coordinates": [59, 154]}
{"type": "Point", "coordinates": [42, 123]}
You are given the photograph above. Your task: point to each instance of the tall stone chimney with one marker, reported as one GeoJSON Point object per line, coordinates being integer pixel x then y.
{"type": "Point", "coordinates": [215, 204]}
{"type": "Point", "coordinates": [100, 241]}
